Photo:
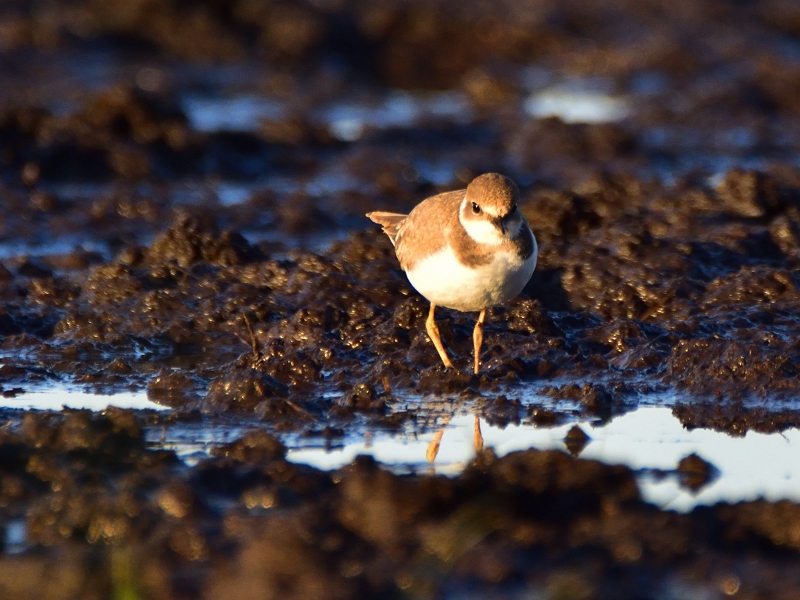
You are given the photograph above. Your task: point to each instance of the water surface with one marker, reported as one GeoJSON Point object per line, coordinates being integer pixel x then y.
{"type": "Point", "coordinates": [650, 440]}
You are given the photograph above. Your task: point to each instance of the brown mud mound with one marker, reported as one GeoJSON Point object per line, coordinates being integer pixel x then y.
{"type": "Point", "coordinates": [736, 419]}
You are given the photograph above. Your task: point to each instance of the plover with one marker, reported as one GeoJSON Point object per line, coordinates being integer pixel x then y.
{"type": "Point", "coordinates": [468, 250]}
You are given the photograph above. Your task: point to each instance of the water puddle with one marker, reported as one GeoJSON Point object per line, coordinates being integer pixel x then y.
{"type": "Point", "coordinates": [575, 103]}
{"type": "Point", "coordinates": [238, 113]}
{"type": "Point", "coordinates": [325, 183]}
{"type": "Point", "coordinates": [346, 119]}
{"type": "Point", "coordinates": [52, 247]}
{"type": "Point", "coordinates": [231, 193]}
{"type": "Point", "coordinates": [15, 537]}
{"type": "Point", "coordinates": [650, 440]}
{"type": "Point", "coordinates": [58, 399]}
{"type": "Point", "coordinates": [715, 164]}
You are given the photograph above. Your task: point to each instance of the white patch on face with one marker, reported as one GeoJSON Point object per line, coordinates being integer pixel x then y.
{"type": "Point", "coordinates": [478, 228]}
{"type": "Point", "coordinates": [483, 231]}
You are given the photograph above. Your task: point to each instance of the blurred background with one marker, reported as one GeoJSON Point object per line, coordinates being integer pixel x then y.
{"type": "Point", "coordinates": [297, 117]}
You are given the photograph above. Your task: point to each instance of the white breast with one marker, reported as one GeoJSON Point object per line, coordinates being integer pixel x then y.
{"type": "Point", "coordinates": [445, 281]}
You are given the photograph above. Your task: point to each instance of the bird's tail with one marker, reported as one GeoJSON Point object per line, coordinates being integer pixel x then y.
{"type": "Point", "coordinates": [390, 222]}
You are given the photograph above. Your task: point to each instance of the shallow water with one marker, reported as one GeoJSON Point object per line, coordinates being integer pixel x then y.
{"type": "Point", "coordinates": [577, 106]}
{"type": "Point", "coordinates": [14, 541]}
{"type": "Point", "coordinates": [650, 440]}
{"type": "Point", "coordinates": [346, 119]}
{"type": "Point", "coordinates": [51, 246]}
{"type": "Point", "coordinates": [349, 119]}
{"type": "Point", "coordinates": [238, 113]}
{"type": "Point", "coordinates": [57, 399]}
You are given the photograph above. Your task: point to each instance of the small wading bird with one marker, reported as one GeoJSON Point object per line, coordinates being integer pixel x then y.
{"type": "Point", "coordinates": [468, 250]}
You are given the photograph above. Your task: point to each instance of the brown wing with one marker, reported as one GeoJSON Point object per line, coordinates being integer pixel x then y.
{"type": "Point", "coordinates": [425, 230]}
{"type": "Point", "coordinates": [390, 222]}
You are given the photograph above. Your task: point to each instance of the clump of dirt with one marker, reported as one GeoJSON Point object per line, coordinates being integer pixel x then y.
{"type": "Point", "coordinates": [122, 131]}
{"type": "Point", "coordinates": [735, 418]}
{"type": "Point", "coordinates": [734, 366]}
{"type": "Point", "coordinates": [576, 440]}
{"type": "Point", "coordinates": [695, 473]}
{"type": "Point", "coordinates": [185, 243]}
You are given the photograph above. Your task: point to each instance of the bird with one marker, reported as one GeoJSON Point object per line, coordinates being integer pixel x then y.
{"type": "Point", "coordinates": [468, 250]}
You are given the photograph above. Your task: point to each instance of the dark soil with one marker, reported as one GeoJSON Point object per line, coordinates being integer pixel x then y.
{"type": "Point", "coordinates": [669, 254]}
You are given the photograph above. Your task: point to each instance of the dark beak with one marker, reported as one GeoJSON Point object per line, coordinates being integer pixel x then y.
{"type": "Point", "coordinates": [501, 223]}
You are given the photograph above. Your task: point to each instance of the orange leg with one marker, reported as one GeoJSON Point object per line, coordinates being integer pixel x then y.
{"type": "Point", "coordinates": [433, 445]}
{"type": "Point", "coordinates": [433, 333]}
{"type": "Point", "coordinates": [477, 339]}
{"type": "Point", "coordinates": [477, 436]}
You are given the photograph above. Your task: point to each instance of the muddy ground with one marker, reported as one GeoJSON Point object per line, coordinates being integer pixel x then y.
{"type": "Point", "coordinates": [669, 249]}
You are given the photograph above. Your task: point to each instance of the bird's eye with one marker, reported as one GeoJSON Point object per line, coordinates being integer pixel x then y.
{"type": "Point", "coordinates": [476, 209]}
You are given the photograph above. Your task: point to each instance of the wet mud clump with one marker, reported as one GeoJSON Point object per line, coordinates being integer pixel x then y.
{"type": "Point", "coordinates": [695, 473]}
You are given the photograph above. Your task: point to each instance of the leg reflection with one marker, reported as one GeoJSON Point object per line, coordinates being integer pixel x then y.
{"type": "Point", "coordinates": [436, 442]}
{"type": "Point", "coordinates": [477, 436]}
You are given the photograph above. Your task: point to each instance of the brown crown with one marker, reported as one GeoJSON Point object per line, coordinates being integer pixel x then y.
{"type": "Point", "coordinates": [495, 191]}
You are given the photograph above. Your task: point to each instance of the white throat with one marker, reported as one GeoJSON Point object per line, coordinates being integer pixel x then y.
{"type": "Point", "coordinates": [480, 230]}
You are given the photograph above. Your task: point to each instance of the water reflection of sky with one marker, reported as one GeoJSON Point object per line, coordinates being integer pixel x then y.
{"type": "Point", "coordinates": [577, 106]}
{"type": "Point", "coordinates": [346, 119]}
{"type": "Point", "coordinates": [756, 465]}
{"type": "Point", "coordinates": [56, 399]}
{"type": "Point", "coordinates": [649, 438]}
{"type": "Point", "coordinates": [237, 113]}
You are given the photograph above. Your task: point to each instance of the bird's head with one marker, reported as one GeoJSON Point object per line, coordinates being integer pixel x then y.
{"type": "Point", "coordinates": [489, 209]}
